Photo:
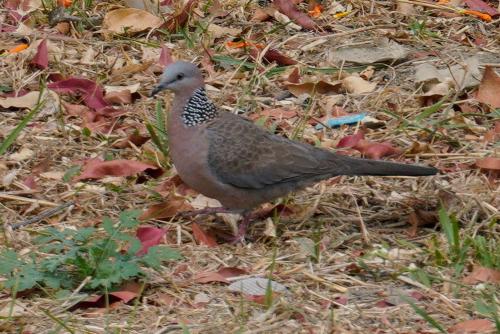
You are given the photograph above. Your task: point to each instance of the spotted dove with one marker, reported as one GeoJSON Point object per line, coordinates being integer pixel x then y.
{"type": "Point", "coordinates": [227, 157]}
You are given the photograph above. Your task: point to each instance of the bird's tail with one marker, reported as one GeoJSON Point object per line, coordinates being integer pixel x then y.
{"type": "Point", "coordinates": [357, 166]}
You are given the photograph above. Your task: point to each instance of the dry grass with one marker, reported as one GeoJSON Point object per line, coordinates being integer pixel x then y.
{"type": "Point", "coordinates": [367, 267]}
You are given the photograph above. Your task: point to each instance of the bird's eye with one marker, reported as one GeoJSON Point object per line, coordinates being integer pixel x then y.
{"type": "Point", "coordinates": [180, 76]}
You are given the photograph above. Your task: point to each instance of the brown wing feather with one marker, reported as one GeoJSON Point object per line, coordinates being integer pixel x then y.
{"type": "Point", "coordinates": [247, 156]}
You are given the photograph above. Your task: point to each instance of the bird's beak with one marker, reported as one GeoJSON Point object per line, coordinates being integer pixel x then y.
{"type": "Point", "coordinates": [156, 90]}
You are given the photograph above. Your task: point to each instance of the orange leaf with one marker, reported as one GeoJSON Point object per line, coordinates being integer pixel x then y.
{"type": "Point", "coordinates": [97, 169]}
{"type": "Point", "coordinates": [316, 11]}
{"type": "Point", "coordinates": [482, 16]}
{"type": "Point", "coordinates": [473, 326]}
{"type": "Point", "coordinates": [202, 237]}
{"type": "Point", "coordinates": [489, 163]}
{"type": "Point", "coordinates": [481, 274]}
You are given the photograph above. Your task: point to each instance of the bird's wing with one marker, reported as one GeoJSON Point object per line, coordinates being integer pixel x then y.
{"type": "Point", "coordinates": [247, 156]}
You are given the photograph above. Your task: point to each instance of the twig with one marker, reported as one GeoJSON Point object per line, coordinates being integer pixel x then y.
{"type": "Point", "coordinates": [43, 215]}
{"type": "Point", "coordinates": [26, 199]}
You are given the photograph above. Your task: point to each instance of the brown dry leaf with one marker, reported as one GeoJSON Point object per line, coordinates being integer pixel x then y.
{"type": "Point", "coordinates": [357, 85]}
{"type": "Point", "coordinates": [209, 277]}
{"type": "Point", "coordinates": [130, 21]}
{"type": "Point", "coordinates": [28, 101]}
{"type": "Point", "coordinates": [97, 169]}
{"type": "Point", "coordinates": [405, 8]}
{"type": "Point", "coordinates": [167, 209]}
{"type": "Point", "coordinates": [379, 51]}
{"type": "Point", "coordinates": [489, 88]}
{"type": "Point", "coordinates": [218, 31]}
{"type": "Point", "coordinates": [319, 87]}
{"type": "Point", "coordinates": [473, 326]}
{"type": "Point", "coordinates": [419, 218]}
{"type": "Point", "coordinates": [481, 274]}
{"type": "Point", "coordinates": [489, 163]}
{"type": "Point", "coordinates": [202, 237]}
{"type": "Point", "coordinates": [179, 19]}
{"type": "Point", "coordinates": [493, 135]}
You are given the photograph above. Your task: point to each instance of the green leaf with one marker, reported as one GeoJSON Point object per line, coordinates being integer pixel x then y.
{"type": "Point", "coordinates": [9, 261]}
{"type": "Point", "coordinates": [421, 312]}
{"type": "Point", "coordinates": [107, 225]}
{"type": "Point", "coordinates": [431, 110]}
{"type": "Point", "coordinates": [128, 219]}
{"type": "Point", "coordinates": [157, 254]}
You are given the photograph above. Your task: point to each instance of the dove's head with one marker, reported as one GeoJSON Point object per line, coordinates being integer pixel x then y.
{"type": "Point", "coordinates": [180, 76]}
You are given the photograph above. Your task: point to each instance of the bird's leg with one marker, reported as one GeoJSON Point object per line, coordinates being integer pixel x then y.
{"type": "Point", "coordinates": [242, 228]}
{"type": "Point", "coordinates": [205, 211]}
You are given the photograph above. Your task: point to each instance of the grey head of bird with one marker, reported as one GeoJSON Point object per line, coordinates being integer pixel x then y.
{"type": "Point", "coordinates": [180, 76]}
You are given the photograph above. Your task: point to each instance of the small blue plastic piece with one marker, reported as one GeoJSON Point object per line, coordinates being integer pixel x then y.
{"type": "Point", "coordinates": [338, 121]}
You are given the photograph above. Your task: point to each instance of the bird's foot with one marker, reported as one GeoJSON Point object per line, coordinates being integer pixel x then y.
{"type": "Point", "coordinates": [240, 236]}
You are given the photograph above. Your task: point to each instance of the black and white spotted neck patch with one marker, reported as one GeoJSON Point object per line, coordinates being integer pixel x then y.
{"type": "Point", "coordinates": [199, 109]}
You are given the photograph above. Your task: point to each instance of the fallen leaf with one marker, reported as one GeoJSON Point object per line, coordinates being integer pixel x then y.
{"type": "Point", "coordinates": [28, 101]}
{"type": "Point", "coordinates": [202, 237]}
{"type": "Point", "coordinates": [489, 163]}
{"type": "Point", "coordinates": [294, 77]}
{"type": "Point", "coordinates": [218, 31]}
{"type": "Point", "coordinates": [481, 274]}
{"type": "Point", "coordinates": [165, 56]}
{"type": "Point", "coordinates": [97, 169]}
{"type": "Point", "coordinates": [124, 294]}
{"type": "Point", "coordinates": [357, 85]}
{"type": "Point", "coordinates": [134, 138]}
{"type": "Point", "coordinates": [41, 58]}
{"type": "Point", "coordinates": [473, 326]}
{"type": "Point", "coordinates": [178, 20]}
{"type": "Point", "coordinates": [419, 218]}
{"type": "Point", "coordinates": [92, 93]}
{"type": "Point", "coordinates": [273, 55]}
{"type": "Point", "coordinates": [168, 209]}
{"type": "Point", "coordinates": [149, 236]}
{"type": "Point", "coordinates": [24, 154]}
{"type": "Point", "coordinates": [375, 150]}
{"type": "Point", "coordinates": [274, 114]}
{"type": "Point", "coordinates": [209, 277]}
{"type": "Point", "coordinates": [288, 8]}
{"type": "Point", "coordinates": [482, 7]}
{"type": "Point", "coordinates": [351, 140]}
{"type": "Point", "coordinates": [493, 135]}
{"type": "Point", "coordinates": [319, 87]}
{"type": "Point", "coordinates": [489, 88]}
{"type": "Point", "coordinates": [130, 21]}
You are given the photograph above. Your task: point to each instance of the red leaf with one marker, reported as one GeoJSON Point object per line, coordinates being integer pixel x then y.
{"type": "Point", "coordinates": [481, 6]}
{"type": "Point", "coordinates": [374, 150]}
{"type": "Point", "coordinates": [489, 163]}
{"type": "Point", "coordinates": [209, 277]}
{"type": "Point", "coordinates": [473, 326]}
{"type": "Point", "coordinates": [489, 88]}
{"type": "Point", "coordinates": [202, 237]}
{"type": "Point", "coordinates": [178, 20]}
{"type": "Point", "coordinates": [41, 58]}
{"type": "Point", "coordinates": [273, 55]}
{"type": "Point", "coordinates": [165, 56]}
{"type": "Point", "coordinates": [135, 138]}
{"type": "Point", "coordinates": [352, 140]}
{"type": "Point", "coordinates": [149, 237]}
{"type": "Point", "coordinates": [125, 294]}
{"type": "Point", "coordinates": [30, 182]}
{"type": "Point", "coordinates": [92, 93]}
{"type": "Point", "coordinates": [288, 8]}
{"type": "Point", "coordinates": [97, 169]}
{"type": "Point", "coordinates": [294, 77]}
{"type": "Point", "coordinates": [481, 274]}
{"type": "Point", "coordinates": [229, 272]}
